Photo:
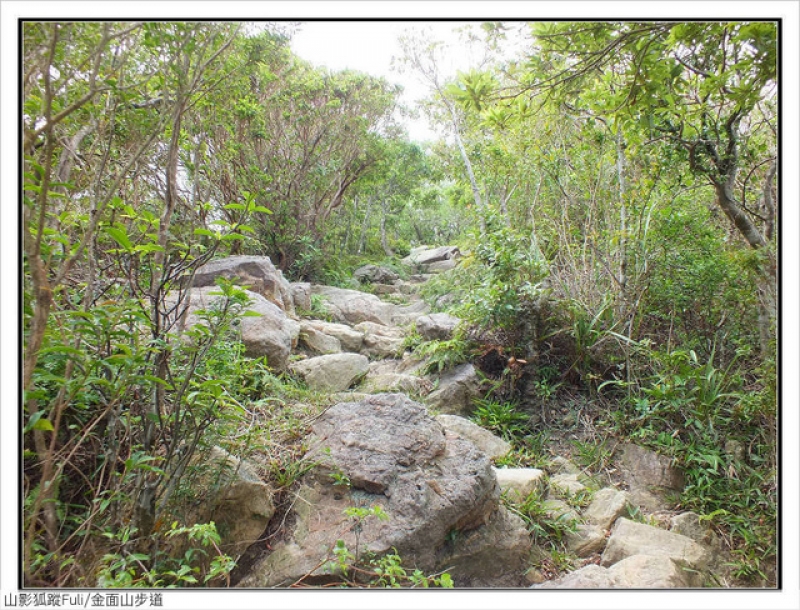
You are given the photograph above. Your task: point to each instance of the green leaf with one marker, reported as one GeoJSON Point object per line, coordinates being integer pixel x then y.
{"type": "Point", "coordinates": [120, 235]}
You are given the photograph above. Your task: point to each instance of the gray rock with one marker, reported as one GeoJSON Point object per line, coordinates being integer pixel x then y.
{"type": "Point", "coordinates": [494, 555]}
{"type": "Point", "coordinates": [397, 457]}
{"type": "Point", "coordinates": [381, 341]}
{"type": "Point", "coordinates": [396, 382]}
{"type": "Point", "coordinates": [493, 446]}
{"type": "Point", "coordinates": [424, 255]}
{"type": "Point", "coordinates": [607, 505]}
{"type": "Point", "coordinates": [519, 483]}
{"type": "Point", "coordinates": [317, 341]}
{"type": "Point", "coordinates": [332, 372]}
{"type": "Point", "coordinates": [375, 274]}
{"type": "Point", "coordinates": [271, 333]}
{"type": "Point", "coordinates": [457, 390]}
{"type": "Point", "coordinates": [256, 273]}
{"type": "Point", "coordinates": [636, 572]}
{"type": "Point", "coordinates": [558, 509]}
{"type": "Point", "coordinates": [353, 307]}
{"type": "Point", "coordinates": [629, 538]}
{"type": "Point", "coordinates": [650, 572]}
{"type": "Point", "coordinates": [561, 465]}
{"type": "Point", "coordinates": [440, 266]}
{"type": "Point", "coordinates": [688, 524]}
{"type": "Point", "coordinates": [588, 577]}
{"type": "Point", "coordinates": [586, 540]}
{"type": "Point", "coordinates": [301, 295]}
{"type": "Point", "coordinates": [230, 493]}
{"type": "Point", "coordinates": [349, 339]}
{"type": "Point", "coordinates": [565, 484]}
{"type": "Point", "coordinates": [647, 469]}
{"type": "Point", "coordinates": [439, 326]}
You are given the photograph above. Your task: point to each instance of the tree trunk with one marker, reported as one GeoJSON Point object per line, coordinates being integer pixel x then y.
{"type": "Point", "coordinates": [384, 240]}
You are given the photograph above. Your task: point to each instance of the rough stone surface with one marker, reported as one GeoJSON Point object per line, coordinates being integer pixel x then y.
{"type": "Point", "coordinates": [558, 509]}
{"type": "Point", "coordinates": [395, 456]}
{"type": "Point", "coordinates": [256, 273]}
{"type": "Point", "coordinates": [233, 496]}
{"type": "Point", "coordinates": [456, 391]}
{"type": "Point", "coordinates": [353, 307]}
{"type": "Point", "coordinates": [271, 333]}
{"type": "Point", "coordinates": [629, 538]}
{"type": "Point", "coordinates": [562, 484]}
{"type": "Point", "coordinates": [396, 382]}
{"type": "Point", "coordinates": [607, 505]}
{"type": "Point", "coordinates": [491, 556]}
{"type": "Point", "coordinates": [439, 266]}
{"type": "Point", "coordinates": [425, 255]}
{"type": "Point", "coordinates": [586, 540]}
{"type": "Point", "coordinates": [519, 483]}
{"type": "Point", "coordinates": [317, 341]}
{"type": "Point", "coordinates": [332, 372]}
{"type": "Point", "coordinates": [561, 465]}
{"type": "Point", "coordinates": [688, 524]}
{"type": "Point", "coordinates": [647, 469]}
{"type": "Point", "coordinates": [349, 339]}
{"type": "Point", "coordinates": [437, 326]}
{"type": "Point", "coordinates": [636, 572]}
{"type": "Point", "coordinates": [650, 572]}
{"type": "Point", "coordinates": [588, 577]}
{"type": "Point", "coordinates": [375, 274]}
{"type": "Point", "coordinates": [301, 295]}
{"type": "Point", "coordinates": [493, 446]}
{"type": "Point", "coordinates": [381, 341]}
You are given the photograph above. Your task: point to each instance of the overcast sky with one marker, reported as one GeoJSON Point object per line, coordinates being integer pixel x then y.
{"type": "Point", "coordinates": [369, 46]}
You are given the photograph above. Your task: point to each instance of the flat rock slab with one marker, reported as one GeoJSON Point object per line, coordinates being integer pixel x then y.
{"type": "Point", "coordinates": [332, 372]}
{"type": "Point", "coordinates": [519, 483]}
{"type": "Point", "coordinates": [630, 538]}
{"type": "Point", "coordinates": [493, 446]}
{"type": "Point", "coordinates": [424, 255]}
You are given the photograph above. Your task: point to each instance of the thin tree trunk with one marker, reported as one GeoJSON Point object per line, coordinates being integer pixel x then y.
{"type": "Point", "coordinates": [384, 239]}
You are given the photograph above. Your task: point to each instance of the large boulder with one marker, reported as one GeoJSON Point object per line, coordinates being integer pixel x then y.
{"type": "Point", "coordinates": [317, 341]}
{"type": "Point", "coordinates": [381, 341]}
{"type": "Point", "coordinates": [331, 372]}
{"type": "Point", "coordinates": [429, 483]}
{"type": "Point", "coordinates": [440, 326]}
{"type": "Point", "coordinates": [256, 273]}
{"type": "Point", "coordinates": [229, 492]}
{"type": "Point", "coordinates": [301, 295]}
{"type": "Point", "coordinates": [265, 331]}
{"type": "Point", "coordinates": [370, 274]}
{"type": "Point", "coordinates": [350, 340]}
{"type": "Point", "coordinates": [424, 255]}
{"type": "Point", "coordinates": [353, 307]}
{"type": "Point", "coordinates": [457, 390]}
{"type": "Point", "coordinates": [495, 555]}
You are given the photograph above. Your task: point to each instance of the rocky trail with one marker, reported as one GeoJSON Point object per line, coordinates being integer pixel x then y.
{"type": "Point", "coordinates": [399, 438]}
